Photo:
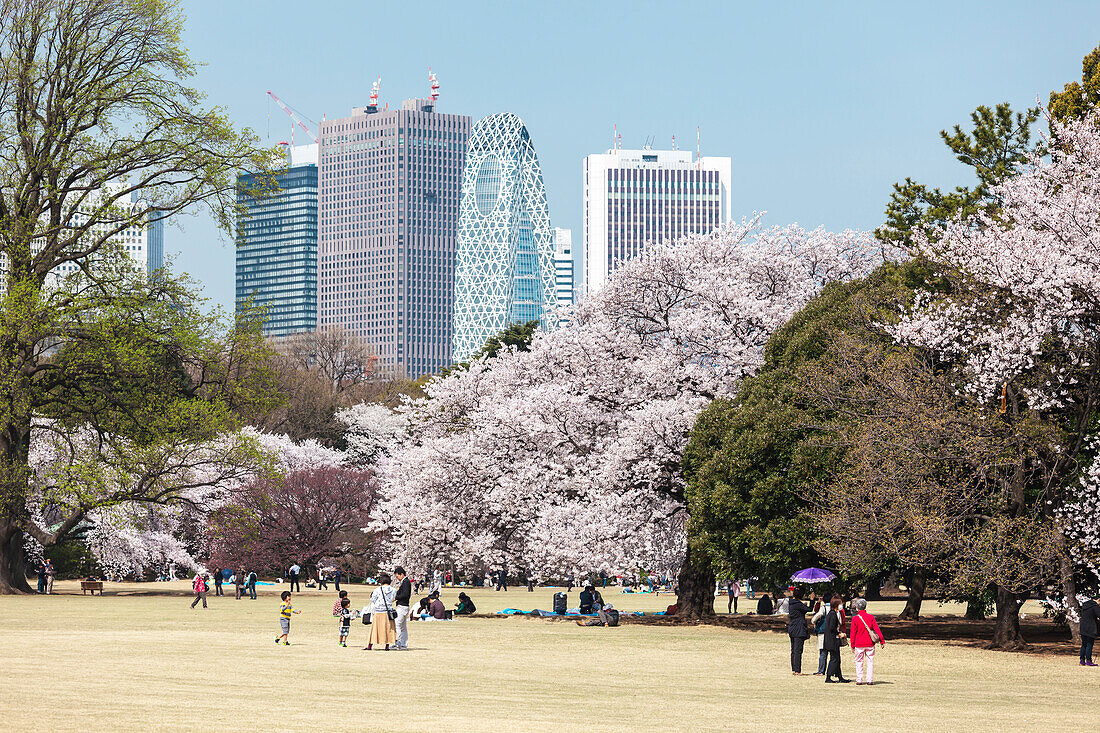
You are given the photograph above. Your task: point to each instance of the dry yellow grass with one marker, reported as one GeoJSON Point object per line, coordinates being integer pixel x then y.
{"type": "Point", "coordinates": [148, 662]}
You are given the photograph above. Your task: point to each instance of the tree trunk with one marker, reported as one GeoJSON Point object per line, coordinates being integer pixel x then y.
{"type": "Point", "coordinates": [1069, 590]}
{"type": "Point", "coordinates": [916, 583]}
{"type": "Point", "coordinates": [874, 586]}
{"type": "Point", "coordinates": [695, 596]}
{"type": "Point", "coordinates": [15, 445]}
{"type": "Point", "coordinates": [13, 572]}
{"type": "Point", "coordinates": [1006, 634]}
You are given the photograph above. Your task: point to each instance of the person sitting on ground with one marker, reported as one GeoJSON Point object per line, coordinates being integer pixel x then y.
{"type": "Point", "coordinates": [764, 607]}
{"type": "Point", "coordinates": [597, 601]}
{"type": "Point", "coordinates": [465, 605]}
{"type": "Point", "coordinates": [339, 603]}
{"type": "Point", "coordinates": [421, 611]}
{"type": "Point", "coordinates": [587, 600]}
{"type": "Point", "coordinates": [436, 610]}
{"type": "Point", "coordinates": [783, 605]}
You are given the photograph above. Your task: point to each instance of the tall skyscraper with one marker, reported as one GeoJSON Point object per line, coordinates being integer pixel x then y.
{"type": "Point", "coordinates": [277, 249]}
{"type": "Point", "coordinates": [389, 197]}
{"type": "Point", "coordinates": [633, 198]}
{"type": "Point", "coordinates": [154, 251]}
{"type": "Point", "coordinates": [504, 264]}
{"type": "Point", "coordinates": [564, 268]}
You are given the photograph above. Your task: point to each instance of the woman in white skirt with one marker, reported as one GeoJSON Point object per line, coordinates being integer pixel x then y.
{"type": "Point", "coordinates": [382, 628]}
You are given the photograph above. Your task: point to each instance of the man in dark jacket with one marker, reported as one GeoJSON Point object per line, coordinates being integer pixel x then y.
{"type": "Point", "coordinates": [1089, 613]}
{"type": "Point", "coordinates": [587, 600]}
{"type": "Point", "coordinates": [401, 603]}
{"type": "Point", "coordinates": [797, 629]}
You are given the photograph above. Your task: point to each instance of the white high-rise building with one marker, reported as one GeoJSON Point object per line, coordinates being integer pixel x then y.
{"type": "Point", "coordinates": [564, 281]}
{"type": "Point", "coordinates": [633, 198]}
{"type": "Point", "coordinates": [142, 243]}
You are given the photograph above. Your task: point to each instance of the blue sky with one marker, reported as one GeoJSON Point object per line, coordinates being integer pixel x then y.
{"type": "Point", "coordinates": [822, 106]}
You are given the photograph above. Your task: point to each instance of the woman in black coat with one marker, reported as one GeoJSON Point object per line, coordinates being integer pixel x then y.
{"type": "Point", "coordinates": [834, 632]}
{"type": "Point", "coordinates": [797, 629]}
{"type": "Point", "coordinates": [1089, 613]}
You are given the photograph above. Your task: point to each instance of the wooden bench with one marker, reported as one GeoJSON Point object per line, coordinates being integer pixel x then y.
{"type": "Point", "coordinates": [91, 585]}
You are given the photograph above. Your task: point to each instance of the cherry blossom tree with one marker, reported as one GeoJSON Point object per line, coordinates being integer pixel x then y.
{"type": "Point", "coordinates": [1021, 325]}
{"type": "Point", "coordinates": [81, 481]}
{"type": "Point", "coordinates": [130, 499]}
{"type": "Point", "coordinates": [302, 516]}
{"type": "Point", "coordinates": [568, 454]}
{"type": "Point", "coordinates": [373, 431]}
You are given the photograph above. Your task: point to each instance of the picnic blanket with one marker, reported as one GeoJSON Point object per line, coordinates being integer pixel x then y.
{"type": "Point", "coordinates": [571, 613]}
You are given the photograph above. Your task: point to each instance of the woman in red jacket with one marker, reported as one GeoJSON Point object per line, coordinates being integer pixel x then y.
{"type": "Point", "coordinates": [864, 634]}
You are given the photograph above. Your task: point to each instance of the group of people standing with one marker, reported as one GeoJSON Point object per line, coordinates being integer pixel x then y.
{"type": "Point", "coordinates": [44, 570]}
{"type": "Point", "coordinates": [243, 583]}
{"type": "Point", "coordinates": [388, 612]}
{"type": "Point", "coordinates": [828, 622]}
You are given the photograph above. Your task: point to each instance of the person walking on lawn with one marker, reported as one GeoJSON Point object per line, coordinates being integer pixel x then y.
{"type": "Point", "coordinates": [865, 633]}
{"type": "Point", "coordinates": [238, 583]}
{"type": "Point", "coordinates": [1089, 612]}
{"type": "Point", "coordinates": [199, 586]}
{"type": "Point", "coordinates": [797, 629]}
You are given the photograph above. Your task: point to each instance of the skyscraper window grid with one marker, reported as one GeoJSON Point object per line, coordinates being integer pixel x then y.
{"type": "Point", "coordinates": [389, 184]}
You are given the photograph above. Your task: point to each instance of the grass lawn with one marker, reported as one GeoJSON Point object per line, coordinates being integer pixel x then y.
{"type": "Point", "coordinates": [135, 660]}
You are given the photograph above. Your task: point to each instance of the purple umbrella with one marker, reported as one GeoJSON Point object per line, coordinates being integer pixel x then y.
{"type": "Point", "coordinates": [812, 575]}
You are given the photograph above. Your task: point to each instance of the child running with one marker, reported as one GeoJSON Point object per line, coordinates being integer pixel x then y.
{"type": "Point", "coordinates": [284, 617]}
{"type": "Point", "coordinates": [346, 615]}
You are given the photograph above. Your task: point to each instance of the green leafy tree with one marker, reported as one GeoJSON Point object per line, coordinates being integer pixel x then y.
{"type": "Point", "coordinates": [753, 467]}
{"type": "Point", "coordinates": [999, 141]}
{"type": "Point", "coordinates": [1078, 98]}
{"type": "Point", "coordinates": [100, 133]}
{"type": "Point", "coordinates": [516, 335]}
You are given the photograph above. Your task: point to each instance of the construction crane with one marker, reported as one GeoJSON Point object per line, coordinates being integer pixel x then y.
{"type": "Point", "coordinates": [299, 118]}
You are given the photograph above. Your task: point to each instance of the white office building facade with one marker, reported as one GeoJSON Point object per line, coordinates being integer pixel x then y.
{"type": "Point", "coordinates": [142, 243]}
{"type": "Point", "coordinates": [634, 198]}
{"type": "Point", "coordinates": [564, 269]}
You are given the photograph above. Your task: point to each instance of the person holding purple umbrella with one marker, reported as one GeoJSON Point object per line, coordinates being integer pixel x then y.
{"type": "Point", "coordinates": [797, 629]}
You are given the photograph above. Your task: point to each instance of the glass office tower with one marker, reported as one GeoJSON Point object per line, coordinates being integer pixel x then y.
{"type": "Point", "coordinates": [277, 250]}
{"type": "Point", "coordinates": [504, 262]}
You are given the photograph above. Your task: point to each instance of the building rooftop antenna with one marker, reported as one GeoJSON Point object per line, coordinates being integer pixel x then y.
{"type": "Point", "coordinates": [674, 142]}
{"type": "Point", "coordinates": [374, 87]}
{"type": "Point", "coordinates": [698, 150]}
{"type": "Point", "coordinates": [434, 81]}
